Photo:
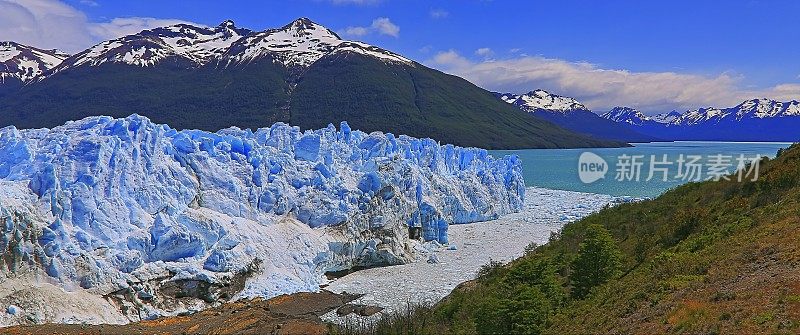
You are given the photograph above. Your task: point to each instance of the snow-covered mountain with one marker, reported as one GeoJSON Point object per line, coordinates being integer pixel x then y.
{"type": "Point", "coordinates": [571, 114]}
{"type": "Point", "coordinates": [666, 117]}
{"type": "Point", "coordinates": [751, 120]}
{"type": "Point", "coordinates": [626, 115]}
{"type": "Point", "coordinates": [193, 45]}
{"type": "Point", "coordinates": [299, 43]}
{"type": "Point", "coordinates": [750, 109]}
{"type": "Point", "coordinates": [150, 221]}
{"type": "Point", "coordinates": [21, 63]}
{"type": "Point", "coordinates": [635, 117]}
{"type": "Point", "coordinates": [542, 100]}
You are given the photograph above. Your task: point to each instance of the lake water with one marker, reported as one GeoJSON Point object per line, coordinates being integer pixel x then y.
{"type": "Point", "coordinates": [558, 168]}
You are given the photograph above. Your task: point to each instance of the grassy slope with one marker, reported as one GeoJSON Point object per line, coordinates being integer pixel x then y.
{"type": "Point", "coordinates": [711, 257]}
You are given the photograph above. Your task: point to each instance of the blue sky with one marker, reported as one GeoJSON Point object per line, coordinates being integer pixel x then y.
{"type": "Point", "coordinates": [652, 55]}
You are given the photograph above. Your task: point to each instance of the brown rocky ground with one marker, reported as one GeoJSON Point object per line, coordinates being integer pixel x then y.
{"type": "Point", "coordinates": [287, 314]}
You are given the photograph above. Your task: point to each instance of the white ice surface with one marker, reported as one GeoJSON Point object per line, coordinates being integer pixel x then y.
{"type": "Point", "coordinates": [504, 239]}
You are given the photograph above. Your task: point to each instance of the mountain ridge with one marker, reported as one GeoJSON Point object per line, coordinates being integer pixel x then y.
{"type": "Point", "coordinates": [21, 63]}
{"type": "Point", "coordinates": [762, 108]}
{"type": "Point", "coordinates": [571, 114]}
{"type": "Point", "coordinates": [752, 120]}
{"type": "Point", "coordinates": [302, 73]}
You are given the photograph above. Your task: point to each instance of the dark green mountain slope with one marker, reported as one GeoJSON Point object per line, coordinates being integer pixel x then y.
{"type": "Point", "coordinates": [204, 98]}
{"type": "Point", "coordinates": [420, 102]}
{"type": "Point", "coordinates": [302, 73]}
{"type": "Point", "coordinates": [368, 93]}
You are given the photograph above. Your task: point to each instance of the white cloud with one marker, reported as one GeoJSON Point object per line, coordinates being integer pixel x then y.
{"type": "Point", "coordinates": [484, 52]}
{"type": "Point", "coordinates": [452, 60]}
{"type": "Point", "coordinates": [381, 25]}
{"type": "Point", "coordinates": [44, 23]}
{"type": "Point", "coordinates": [601, 89]}
{"type": "Point", "coordinates": [128, 25]}
{"type": "Point", "coordinates": [52, 24]}
{"type": "Point", "coordinates": [385, 26]}
{"type": "Point", "coordinates": [89, 3]}
{"type": "Point", "coordinates": [439, 13]}
{"type": "Point", "coordinates": [356, 31]}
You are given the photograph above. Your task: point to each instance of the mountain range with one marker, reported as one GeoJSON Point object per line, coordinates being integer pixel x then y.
{"type": "Point", "coordinates": [303, 74]}
{"type": "Point", "coordinates": [751, 120]}
{"type": "Point", "coordinates": [571, 114]}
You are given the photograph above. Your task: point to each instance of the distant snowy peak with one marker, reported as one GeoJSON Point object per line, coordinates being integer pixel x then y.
{"type": "Point", "coordinates": [542, 100]}
{"type": "Point", "coordinates": [763, 108]}
{"type": "Point", "coordinates": [626, 115]}
{"type": "Point", "coordinates": [666, 117]}
{"type": "Point", "coordinates": [749, 109]}
{"type": "Point", "coordinates": [23, 63]}
{"type": "Point", "coordinates": [197, 45]}
{"type": "Point", "coordinates": [300, 43]}
{"type": "Point", "coordinates": [701, 115]}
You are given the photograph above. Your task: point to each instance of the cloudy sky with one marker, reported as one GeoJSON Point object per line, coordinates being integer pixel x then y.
{"type": "Point", "coordinates": [653, 56]}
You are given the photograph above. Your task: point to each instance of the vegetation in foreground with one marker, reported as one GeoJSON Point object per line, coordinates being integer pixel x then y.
{"type": "Point", "coordinates": [705, 258]}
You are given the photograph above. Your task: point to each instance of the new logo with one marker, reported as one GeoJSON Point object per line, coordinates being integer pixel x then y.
{"type": "Point", "coordinates": [591, 167]}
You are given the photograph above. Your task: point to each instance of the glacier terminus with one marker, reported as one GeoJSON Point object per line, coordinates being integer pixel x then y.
{"type": "Point", "coordinates": [159, 221]}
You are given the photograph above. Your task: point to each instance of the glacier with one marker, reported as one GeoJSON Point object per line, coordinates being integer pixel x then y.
{"type": "Point", "coordinates": [158, 221]}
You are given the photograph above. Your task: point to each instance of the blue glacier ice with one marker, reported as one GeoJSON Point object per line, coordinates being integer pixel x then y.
{"type": "Point", "coordinates": [126, 205]}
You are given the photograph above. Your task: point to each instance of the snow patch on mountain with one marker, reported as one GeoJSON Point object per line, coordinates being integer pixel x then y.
{"type": "Point", "coordinates": [23, 63]}
{"type": "Point", "coordinates": [161, 221]}
{"type": "Point", "coordinates": [542, 100]}
{"type": "Point", "coordinates": [300, 43]}
{"type": "Point", "coordinates": [701, 115]}
{"type": "Point", "coordinates": [626, 115]}
{"type": "Point", "coordinates": [666, 117]}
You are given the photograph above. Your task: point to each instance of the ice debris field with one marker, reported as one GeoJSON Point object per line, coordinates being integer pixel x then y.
{"type": "Point", "coordinates": [159, 221]}
{"type": "Point", "coordinates": [395, 288]}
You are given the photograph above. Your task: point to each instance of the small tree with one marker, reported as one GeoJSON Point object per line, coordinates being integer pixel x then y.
{"type": "Point", "coordinates": [530, 312]}
{"type": "Point", "coordinates": [526, 311]}
{"type": "Point", "coordinates": [598, 261]}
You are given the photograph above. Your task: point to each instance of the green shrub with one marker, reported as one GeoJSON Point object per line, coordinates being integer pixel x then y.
{"type": "Point", "coordinates": [598, 261]}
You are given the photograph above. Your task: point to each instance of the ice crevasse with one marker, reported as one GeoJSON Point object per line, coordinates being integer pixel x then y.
{"type": "Point", "coordinates": [148, 214]}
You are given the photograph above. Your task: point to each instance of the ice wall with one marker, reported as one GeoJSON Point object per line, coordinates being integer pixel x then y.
{"type": "Point", "coordinates": [132, 208]}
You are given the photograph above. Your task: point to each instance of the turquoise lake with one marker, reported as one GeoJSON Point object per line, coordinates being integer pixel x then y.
{"type": "Point", "coordinates": [558, 168]}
